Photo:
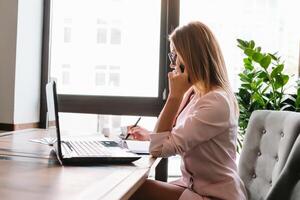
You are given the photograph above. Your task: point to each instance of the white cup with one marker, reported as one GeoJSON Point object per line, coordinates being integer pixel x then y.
{"type": "Point", "coordinates": [124, 131]}
{"type": "Point", "coordinates": [106, 132]}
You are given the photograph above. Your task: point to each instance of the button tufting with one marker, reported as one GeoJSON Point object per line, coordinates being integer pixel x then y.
{"type": "Point", "coordinates": [254, 175]}
{"type": "Point", "coordinates": [281, 134]}
{"type": "Point", "coordinates": [191, 182]}
{"type": "Point", "coordinates": [264, 131]}
{"type": "Point", "coordinates": [191, 179]}
{"type": "Point", "coordinates": [270, 182]}
{"type": "Point", "coordinates": [259, 153]}
{"type": "Point", "coordinates": [276, 158]}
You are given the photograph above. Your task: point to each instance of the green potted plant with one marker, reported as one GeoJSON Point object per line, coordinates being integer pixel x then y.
{"type": "Point", "coordinates": [263, 85]}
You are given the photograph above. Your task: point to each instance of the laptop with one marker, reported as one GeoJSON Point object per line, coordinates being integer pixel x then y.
{"type": "Point", "coordinates": [82, 149]}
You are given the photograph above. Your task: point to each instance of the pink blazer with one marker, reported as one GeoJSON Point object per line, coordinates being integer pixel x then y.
{"type": "Point", "coordinates": [205, 138]}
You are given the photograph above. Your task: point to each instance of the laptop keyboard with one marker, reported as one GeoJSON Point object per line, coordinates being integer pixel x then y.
{"type": "Point", "coordinates": [85, 149]}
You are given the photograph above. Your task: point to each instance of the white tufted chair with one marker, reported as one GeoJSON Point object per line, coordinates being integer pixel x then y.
{"type": "Point", "coordinates": [287, 185]}
{"type": "Point", "coordinates": [269, 139]}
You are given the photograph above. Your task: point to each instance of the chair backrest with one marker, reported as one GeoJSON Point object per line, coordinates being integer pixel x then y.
{"type": "Point", "coordinates": [287, 185]}
{"type": "Point", "coordinates": [268, 141]}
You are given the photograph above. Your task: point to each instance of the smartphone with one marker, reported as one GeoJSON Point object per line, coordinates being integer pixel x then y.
{"type": "Point", "coordinates": [181, 66]}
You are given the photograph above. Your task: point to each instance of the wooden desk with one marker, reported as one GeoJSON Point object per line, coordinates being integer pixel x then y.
{"type": "Point", "coordinates": [30, 171]}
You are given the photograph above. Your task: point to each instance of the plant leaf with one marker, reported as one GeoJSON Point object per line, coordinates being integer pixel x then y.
{"type": "Point", "coordinates": [297, 103]}
{"type": "Point", "coordinates": [265, 62]}
{"type": "Point", "coordinates": [273, 56]}
{"type": "Point", "coordinates": [249, 52]}
{"type": "Point", "coordinates": [258, 99]}
{"type": "Point", "coordinates": [277, 70]}
{"type": "Point", "coordinates": [247, 61]}
{"type": "Point", "coordinates": [244, 77]}
{"type": "Point", "coordinates": [258, 49]}
{"type": "Point", "coordinates": [241, 47]}
{"type": "Point", "coordinates": [248, 66]}
{"type": "Point", "coordinates": [278, 82]}
{"type": "Point", "coordinates": [252, 44]}
{"type": "Point", "coordinates": [285, 79]}
{"type": "Point", "coordinates": [246, 85]}
{"type": "Point", "coordinates": [242, 42]}
{"type": "Point", "coordinates": [262, 74]}
{"type": "Point", "coordinates": [257, 57]}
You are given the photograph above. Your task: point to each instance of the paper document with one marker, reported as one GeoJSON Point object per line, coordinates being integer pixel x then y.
{"type": "Point", "coordinates": [46, 140]}
{"type": "Point", "coordinates": [135, 146]}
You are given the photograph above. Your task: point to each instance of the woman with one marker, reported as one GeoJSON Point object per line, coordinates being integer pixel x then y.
{"type": "Point", "coordinates": [198, 122]}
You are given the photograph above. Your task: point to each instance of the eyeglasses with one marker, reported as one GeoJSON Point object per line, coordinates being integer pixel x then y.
{"type": "Point", "coordinates": [172, 57]}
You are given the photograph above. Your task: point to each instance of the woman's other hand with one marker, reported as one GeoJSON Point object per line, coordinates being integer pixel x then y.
{"type": "Point", "coordinates": [139, 133]}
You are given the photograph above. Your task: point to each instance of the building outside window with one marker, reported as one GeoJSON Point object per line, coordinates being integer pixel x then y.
{"type": "Point", "coordinates": [67, 30]}
{"type": "Point", "coordinates": [66, 70]}
{"type": "Point", "coordinates": [116, 32]}
{"type": "Point", "coordinates": [114, 76]}
{"type": "Point", "coordinates": [101, 36]}
{"type": "Point", "coordinates": [100, 75]}
{"type": "Point", "coordinates": [102, 29]}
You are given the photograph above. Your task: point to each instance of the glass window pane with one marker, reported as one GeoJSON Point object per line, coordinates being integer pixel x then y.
{"type": "Point", "coordinates": [100, 79]}
{"type": "Point", "coordinates": [272, 24]}
{"type": "Point", "coordinates": [67, 34]}
{"type": "Point", "coordinates": [121, 33]}
{"type": "Point", "coordinates": [101, 35]}
{"type": "Point", "coordinates": [86, 124]}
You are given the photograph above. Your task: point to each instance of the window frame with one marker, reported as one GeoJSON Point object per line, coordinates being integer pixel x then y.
{"type": "Point", "coordinates": [112, 105]}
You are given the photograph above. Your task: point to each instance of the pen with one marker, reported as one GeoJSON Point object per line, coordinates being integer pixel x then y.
{"type": "Point", "coordinates": [136, 123]}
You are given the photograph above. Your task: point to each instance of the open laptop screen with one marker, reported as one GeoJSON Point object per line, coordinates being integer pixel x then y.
{"type": "Point", "coordinates": [53, 119]}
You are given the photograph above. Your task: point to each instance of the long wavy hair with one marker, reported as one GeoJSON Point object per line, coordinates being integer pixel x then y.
{"type": "Point", "coordinates": [200, 52]}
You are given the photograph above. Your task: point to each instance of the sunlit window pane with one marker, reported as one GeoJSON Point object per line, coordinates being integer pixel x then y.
{"type": "Point", "coordinates": [101, 35]}
{"type": "Point", "coordinates": [82, 124]}
{"type": "Point", "coordinates": [272, 24]}
{"type": "Point", "coordinates": [122, 33]}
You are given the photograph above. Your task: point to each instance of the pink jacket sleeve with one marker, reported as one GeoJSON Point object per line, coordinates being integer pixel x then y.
{"type": "Point", "coordinates": [205, 119]}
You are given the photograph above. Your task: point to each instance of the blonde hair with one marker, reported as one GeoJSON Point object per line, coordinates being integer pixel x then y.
{"type": "Point", "coordinates": [202, 56]}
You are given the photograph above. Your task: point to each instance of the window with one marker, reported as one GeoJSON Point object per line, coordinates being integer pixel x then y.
{"type": "Point", "coordinates": [94, 123]}
{"type": "Point", "coordinates": [100, 75]}
{"type": "Point", "coordinates": [114, 76]}
{"type": "Point", "coordinates": [65, 77]}
{"type": "Point", "coordinates": [100, 79]}
{"type": "Point", "coordinates": [101, 36]}
{"type": "Point", "coordinates": [117, 50]}
{"type": "Point", "coordinates": [67, 30]}
{"type": "Point", "coordinates": [67, 34]}
{"type": "Point", "coordinates": [126, 37]}
{"type": "Point", "coordinates": [66, 74]}
{"type": "Point", "coordinates": [101, 31]}
{"type": "Point", "coordinates": [115, 36]}
{"type": "Point", "coordinates": [273, 24]}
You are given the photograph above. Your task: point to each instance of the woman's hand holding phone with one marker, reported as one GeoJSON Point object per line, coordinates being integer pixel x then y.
{"type": "Point", "coordinates": [178, 82]}
{"type": "Point", "coordinates": [181, 66]}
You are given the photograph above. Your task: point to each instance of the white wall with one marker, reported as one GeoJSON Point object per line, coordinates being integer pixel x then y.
{"type": "Point", "coordinates": [28, 62]}
{"type": "Point", "coordinates": [8, 33]}
{"type": "Point", "coordinates": [20, 60]}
